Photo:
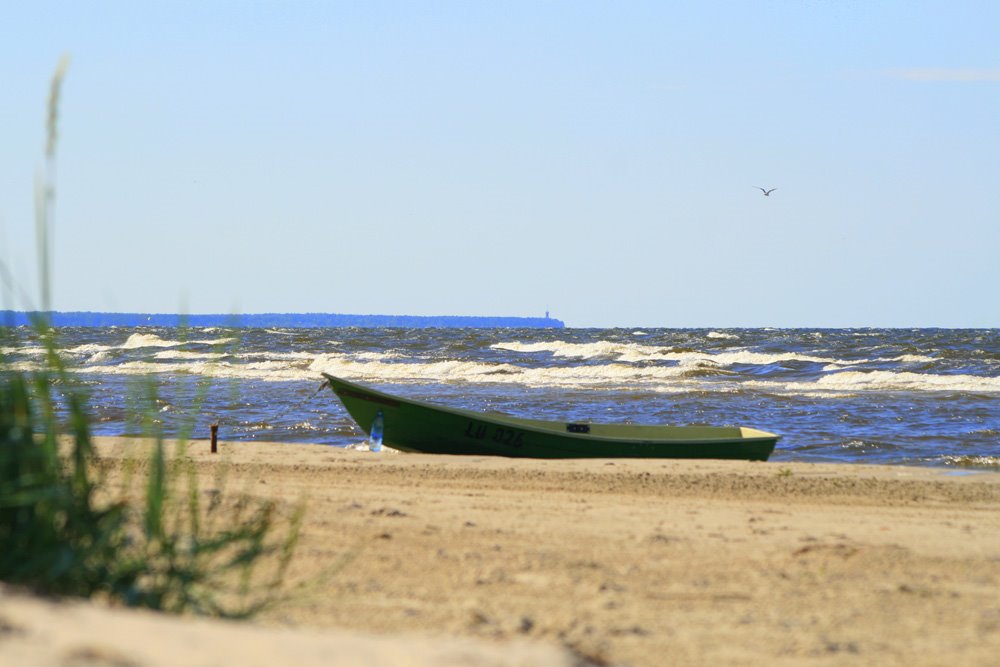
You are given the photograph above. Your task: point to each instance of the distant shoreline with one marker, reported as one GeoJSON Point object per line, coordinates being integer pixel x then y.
{"type": "Point", "coordinates": [281, 320]}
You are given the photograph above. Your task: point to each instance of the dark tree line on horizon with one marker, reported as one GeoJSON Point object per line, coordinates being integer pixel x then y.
{"type": "Point", "coordinates": [280, 320]}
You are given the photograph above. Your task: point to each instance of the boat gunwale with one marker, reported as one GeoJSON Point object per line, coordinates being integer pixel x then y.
{"type": "Point", "coordinates": [528, 424]}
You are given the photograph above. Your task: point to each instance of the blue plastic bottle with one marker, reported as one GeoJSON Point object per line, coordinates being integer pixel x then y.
{"type": "Point", "coordinates": [375, 436]}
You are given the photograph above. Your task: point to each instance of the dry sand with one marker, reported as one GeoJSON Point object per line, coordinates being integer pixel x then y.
{"type": "Point", "coordinates": [491, 561]}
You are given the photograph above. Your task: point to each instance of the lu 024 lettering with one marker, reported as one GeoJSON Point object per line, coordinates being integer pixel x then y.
{"type": "Point", "coordinates": [500, 435]}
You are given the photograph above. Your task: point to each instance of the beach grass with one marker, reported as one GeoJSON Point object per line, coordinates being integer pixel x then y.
{"type": "Point", "coordinates": [65, 531]}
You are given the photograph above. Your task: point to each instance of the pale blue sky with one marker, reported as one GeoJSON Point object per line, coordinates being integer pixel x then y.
{"type": "Point", "coordinates": [597, 159]}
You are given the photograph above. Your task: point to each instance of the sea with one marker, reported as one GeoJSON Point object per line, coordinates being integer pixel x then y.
{"type": "Point", "coordinates": [926, 397]}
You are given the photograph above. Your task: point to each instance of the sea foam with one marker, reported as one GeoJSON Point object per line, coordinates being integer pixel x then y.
{"type": "Point", "coordinates": [631, 352]}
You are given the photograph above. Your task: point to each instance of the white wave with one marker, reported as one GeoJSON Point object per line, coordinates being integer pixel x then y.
{"type": "Point", "coordinates": [914, 358]}
{"type": "Point", "coordinates": [903, 359]}
{"type": "Point", "coordinates": [29, 351]}
{"type": "Point", "coordinates": [830, 368]}
{"type": "Point", "coordinates": [141, 340]}
{"type": "Point", "coordinates": [292, 356]}
{"type": "Point", "coordinates": [763, 358]}
{"type": "Point", "coordinates": [616, 375]}
{"type": "Point", "coordinates": [573, 350]}
{"type": "Point", "coordinates": [24, 366]}
{"type": "Point", "coordinates": [631, 352]}
{"type": "Point", "coordinates": [89, 349]}
{"type": "Point", "coordinates": [615, 365]}
{"type": "Point", "coordinates": [268, 371]}
{"type": "Point", "coordinates": [137, 368]}
{"type": "Point", "coordinates": [612, 374]}
{"type": "Point", "coordinates": [216, 341]}
{"type": "Point", "coordinates": [626, 352]}
{"type": "Point", "coordinates": [721, 335]}
{"type": "Point", "coordinates": [437, 370]}
{"type": "Point", "coordinates": [887, 380]}
{"type": "Point", "coordinates": [472, 372]}
{"type": "Point", "coordinates": [655, 378]}
{"type": "Point", "coordinates": [866, 381]}
{"type": "Point", "coordinates": [377, 356]}
{"type": "Point", "coordinates": [184, 354]}
{"type": "Point", "coordinates": [697, 362]}
{"type": "Point", "coordinates": [743, 357]}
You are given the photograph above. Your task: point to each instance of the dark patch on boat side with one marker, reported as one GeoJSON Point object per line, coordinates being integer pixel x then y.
{"type": "Point", "coordinates": [578, 428]}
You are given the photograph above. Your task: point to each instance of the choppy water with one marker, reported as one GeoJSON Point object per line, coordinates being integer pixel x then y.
{"type": "Point", "coordinates": [920, 396]}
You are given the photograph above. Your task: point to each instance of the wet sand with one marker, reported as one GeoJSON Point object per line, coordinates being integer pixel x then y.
{"type": "Point", "coordinates": [624, 562]}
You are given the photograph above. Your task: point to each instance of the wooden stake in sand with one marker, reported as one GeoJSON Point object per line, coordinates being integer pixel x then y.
{"type": "Point", "coordinates": [215, 435]}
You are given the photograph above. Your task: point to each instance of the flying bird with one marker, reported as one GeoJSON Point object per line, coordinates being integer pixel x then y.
{"type": "Point", "coordinates": [767, 193]}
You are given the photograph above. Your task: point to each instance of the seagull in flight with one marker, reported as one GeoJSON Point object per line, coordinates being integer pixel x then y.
{"type": "Point", "coordinates": [767, 193]}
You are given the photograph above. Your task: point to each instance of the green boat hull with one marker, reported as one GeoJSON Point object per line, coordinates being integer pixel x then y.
{"type": "Point", "coordinates": [415, 426]}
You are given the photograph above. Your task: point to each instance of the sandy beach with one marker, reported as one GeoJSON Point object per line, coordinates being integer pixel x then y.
{"type": "Point", "coordinates": [410, 559]}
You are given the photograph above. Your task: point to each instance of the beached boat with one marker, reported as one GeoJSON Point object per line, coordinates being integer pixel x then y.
{"type": "Point", "coordinates": [414, 426]}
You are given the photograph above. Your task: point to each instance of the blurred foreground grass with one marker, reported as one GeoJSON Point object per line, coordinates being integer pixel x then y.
{"type": "Point", "coordinates": [64, 530]}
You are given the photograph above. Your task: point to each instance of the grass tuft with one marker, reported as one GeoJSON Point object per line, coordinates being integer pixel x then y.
{"type": "Point", "coordinates": [58, 538]}
{"type": "Point", "coordinates": [64, 530]}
